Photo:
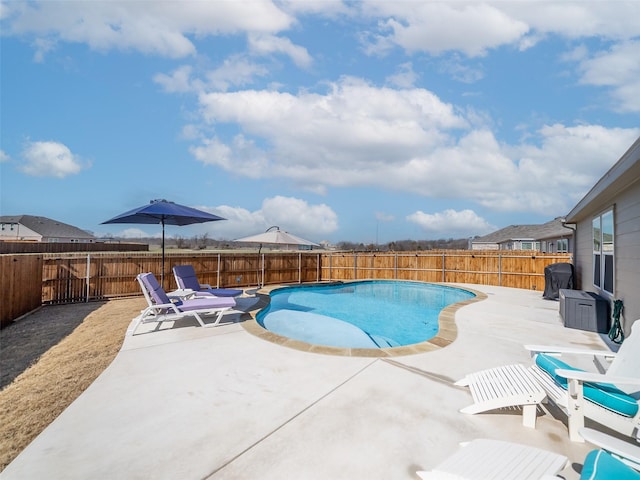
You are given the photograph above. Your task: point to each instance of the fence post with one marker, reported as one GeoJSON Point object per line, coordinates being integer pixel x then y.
{"type": "Point", "coordinates": [355, 265]}
{"type": "Point", "coordinates": [218, 273]}
{"type": "Point", "coordinates": [499, 269]}
{"type": "Point", "coordinates": [395, 265]}
{"type": "Point", "coordinates": [88, 275]}
{"type": "Point", "coordinates": [444, 271]}
{"type": "Point", "coordinates": [299, 267]}
{"type": "Point", "coordinates": [317, 267]}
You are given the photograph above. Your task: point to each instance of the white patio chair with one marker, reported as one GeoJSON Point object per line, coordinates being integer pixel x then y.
{"type": "Point", "coordinates": [484, 459]}
{"type": "Point", "coordinates": [609, 398]}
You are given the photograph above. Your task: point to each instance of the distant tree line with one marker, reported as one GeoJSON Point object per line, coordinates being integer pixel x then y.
{"type": "Point", "coordinates": [202, 242]}
{"type": "Point", "coordinates": [407, 245]}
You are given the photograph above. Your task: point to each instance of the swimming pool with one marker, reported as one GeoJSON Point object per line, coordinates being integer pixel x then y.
{"type": "Point", "coordinates": [366, 314]}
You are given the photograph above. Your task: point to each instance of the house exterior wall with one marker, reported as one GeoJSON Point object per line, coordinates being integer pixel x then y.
{"type": "Point", "coordinates": [484, 246]}
{"type": "Point", "coordinates": [550, 245]}
{"type": "Point", "coordinates": [17, 231]}
{"type": "Point", "coordinates": [626, 253]}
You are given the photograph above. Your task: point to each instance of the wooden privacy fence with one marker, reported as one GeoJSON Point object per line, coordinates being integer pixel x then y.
{"type": "Point", "coordinates": [28, 281]}
{"type": "Point", "coordinates": [20, 286]}
{"type": "Point", "coordinates": [77, 278]}
{"type": "Point", "coordinates": [518, 269]}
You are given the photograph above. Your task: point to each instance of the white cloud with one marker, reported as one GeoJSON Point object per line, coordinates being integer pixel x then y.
{"type": "Point", "coordinates": [460, 71]}
{"type": "Point", "coordinates": [345, 137]}
{"type": "Point", "coordinates": [266, 44]}
{"type": "Point", "coordinates": [153, 27]}
{"type": "Point", "coordinates": [619, 69]}
{"type": "Point", "coordinates": [405, 77]}
{"type": "Point", "coordinates": [451, 222]}
{"type": "Point", "coordinates": [235, 71]}
{"type": "Point", "coordinates": [178, 81]}
{"type": "Point", "coordinates": [327, 8]}
{"type": "Point", "coordinates": [4, 157]}
{"type": "Point", "coordinates": [435, 27]}
{"type": "Point", "coordinates": [50, 159]}
{"type": "Point", "coordinates": [291, 214]}
{"type": "Point", "coordinates": [404, 140]}
{"type": "Point", "coordinates": [577, 19]}
{"type": "Point", "coordinates": [296, 215]}
{"type": "Point", "coordinates": [137, 233]}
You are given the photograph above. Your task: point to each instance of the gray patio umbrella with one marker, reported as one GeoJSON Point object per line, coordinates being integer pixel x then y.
{"type": "Point", "coordinates": [274, 236]}
{"type": "Point", "coordinates": [165, 213]}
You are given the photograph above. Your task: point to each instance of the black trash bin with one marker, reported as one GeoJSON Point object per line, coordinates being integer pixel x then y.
{"type": "Point", "coordinates": [557, 276]}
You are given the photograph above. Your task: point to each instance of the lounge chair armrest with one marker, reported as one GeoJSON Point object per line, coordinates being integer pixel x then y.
{"type": "Point", "coordinates": [161, 306]}
{"type": "Point", "coordinates": [555, 350]}
{"type": "Point", "coordinates": [596, 377]}
{"type": "Point", "coordinates": [204, 286]}
{"type": "Point", "coordinates": [625, 450]}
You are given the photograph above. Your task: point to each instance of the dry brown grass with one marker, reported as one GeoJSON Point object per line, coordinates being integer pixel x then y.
{"type": "Point", "coordinates": [39, 394]}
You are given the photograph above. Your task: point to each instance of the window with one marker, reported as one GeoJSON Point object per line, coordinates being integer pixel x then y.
{"type": "Point", "coordinates": [563, 245]}
{"type": "Point", "coordinates": [603, 251]}
{"type": "Point", "coordinates": [530, 246]}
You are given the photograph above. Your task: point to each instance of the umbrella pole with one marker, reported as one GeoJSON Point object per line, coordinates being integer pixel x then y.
{"type": "Point", "coordinates": [162, 273]}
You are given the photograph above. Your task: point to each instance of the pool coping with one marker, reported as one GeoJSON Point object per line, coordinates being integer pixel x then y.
{"type": "Point", "coordinates": [447, 329]}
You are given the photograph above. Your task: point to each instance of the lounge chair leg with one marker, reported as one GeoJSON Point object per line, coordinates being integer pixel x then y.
{"type": "Point", "coordinates": [529, 415]}
{"type": "Point", "coordinates": [575, 414]}
{"type": "Point", "coordinates": [199, 319]}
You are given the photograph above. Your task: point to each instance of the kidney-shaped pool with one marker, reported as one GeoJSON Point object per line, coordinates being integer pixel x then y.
{"type": "Point", "coordinates": [367, 314]}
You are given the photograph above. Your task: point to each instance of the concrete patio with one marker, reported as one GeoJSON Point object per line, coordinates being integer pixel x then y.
{"type": "Point", "coordinates": [221, 403]}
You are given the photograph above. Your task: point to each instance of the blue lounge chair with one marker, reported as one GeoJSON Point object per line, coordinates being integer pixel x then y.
{"type": "Point", "coordinates": [186, 279]}
{"type": "Point", "coordinates": [161, 308]}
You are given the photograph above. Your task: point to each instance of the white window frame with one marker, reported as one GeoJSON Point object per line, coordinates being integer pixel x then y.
{"type": "Point", "coordinates": [603, 238]}
{"type": "Point", "coordinates": [562, 245]}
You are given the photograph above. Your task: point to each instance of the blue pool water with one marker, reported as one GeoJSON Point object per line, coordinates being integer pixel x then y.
{"type": "Point", "coordinates": [368, 314]}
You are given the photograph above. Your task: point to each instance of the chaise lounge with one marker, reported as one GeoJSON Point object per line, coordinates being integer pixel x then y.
{"type": "Point", "coordinates": [186, 279]}
{"type": "Point", "coordinates": [161, 308]}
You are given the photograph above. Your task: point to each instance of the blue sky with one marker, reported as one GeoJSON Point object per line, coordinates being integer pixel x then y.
{"type": "Point", "coordinates": [357, 121]}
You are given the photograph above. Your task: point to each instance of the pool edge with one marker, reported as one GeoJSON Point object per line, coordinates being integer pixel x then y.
{"type": "Point", "coordinates": [447, 330]}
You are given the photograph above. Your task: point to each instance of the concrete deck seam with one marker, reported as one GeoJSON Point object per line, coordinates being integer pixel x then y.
{"type": "Point", "coordinates": [305, 409]}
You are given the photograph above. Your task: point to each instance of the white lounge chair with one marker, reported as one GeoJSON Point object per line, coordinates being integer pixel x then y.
{"type": "Point", "coordinates": [497, 460]}
{"type": "Point", "coordinates": [609, 398]}
{"type": "Point", "coordinates": [162, 309]}
{"type": "Point", "coordinates": [504, 387]}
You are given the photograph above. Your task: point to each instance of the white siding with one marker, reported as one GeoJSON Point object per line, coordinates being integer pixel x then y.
{"type": "Point", "coordinates": [19, 232]}
{"type": "Point", "coordinates": [627, 253]}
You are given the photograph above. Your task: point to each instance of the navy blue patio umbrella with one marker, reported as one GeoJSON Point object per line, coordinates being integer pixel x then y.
{"type": "Point", "coordinates": [165, 213]}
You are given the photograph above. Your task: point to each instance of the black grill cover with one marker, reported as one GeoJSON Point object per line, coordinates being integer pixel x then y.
{"type": "Point", "coordinates": [557, 276]}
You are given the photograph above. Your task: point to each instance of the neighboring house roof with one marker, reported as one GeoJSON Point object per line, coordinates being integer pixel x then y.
{"type": "Point", "coordinates": [552, 229]}
{"type": "Point", "coordinates": [621, 176]}
{"type": "Point", "coordinates": [47, 227]}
